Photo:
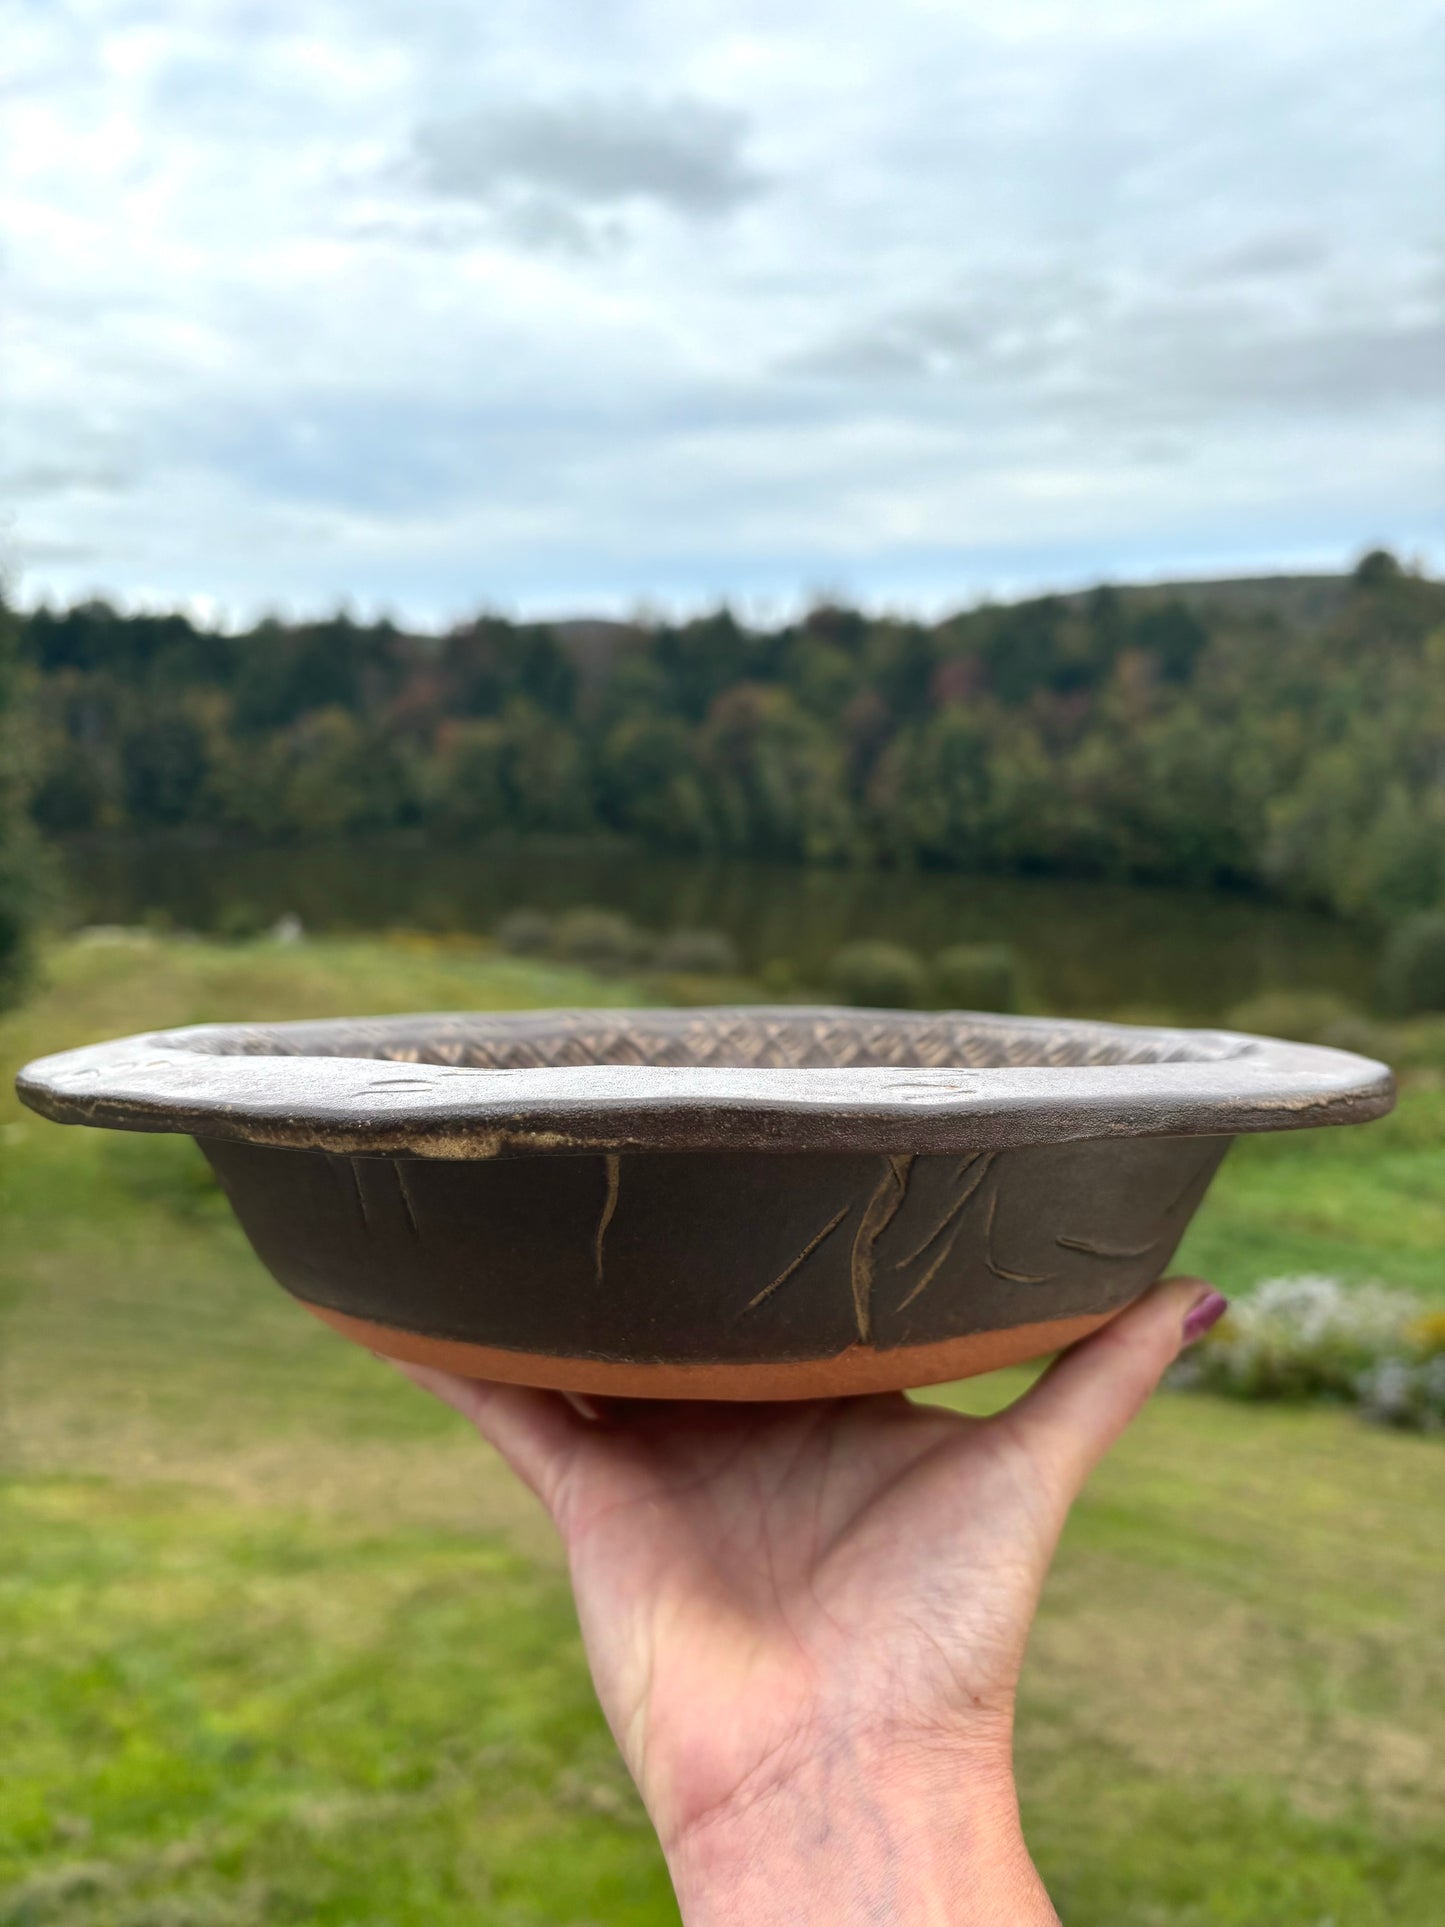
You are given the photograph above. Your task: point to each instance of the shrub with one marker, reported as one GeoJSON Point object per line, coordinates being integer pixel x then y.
{"type": "Point", "coordinates": [1406, 1392]}
{"type": "Point", "coordinates": [1363, 1035]}
{"type": "Point", "coordinates": [698, 953]}
{"type": "Point", "coordinates": [1305, 1016]}
{"type": "Point", "coordinates": [599, 939]}
{"type": "Point", "coordinates": [1418, 1045]}
{"type": "Point", "coordinates": [881, 974]}
{"type": "Point", "coordinates": [976, 976]}
{"type": "Point", "coordinates": [526, 933]}
{"type": "Point", "coordinates": [1412, 970]}
{"type": "Point", "coordinates": [779, 978]}
{"type": "Point", "coordinates": [1313, 1337]}
{"type": "Point", "coordinates": [240, 922]}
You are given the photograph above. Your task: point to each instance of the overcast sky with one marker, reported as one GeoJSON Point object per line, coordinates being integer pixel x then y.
{"type": "Point", "coordinates": [571, 304]}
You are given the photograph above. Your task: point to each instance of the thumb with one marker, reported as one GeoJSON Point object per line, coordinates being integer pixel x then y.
{"type": "Point", "coordinates": [1070, 1418]}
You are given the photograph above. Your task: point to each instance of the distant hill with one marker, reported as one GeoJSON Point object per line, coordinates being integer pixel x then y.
{"type": "Point", "coordinates": [1299, 601]}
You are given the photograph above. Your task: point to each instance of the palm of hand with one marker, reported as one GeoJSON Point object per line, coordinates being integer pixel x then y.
{"type": "Point", "coordinates": [748, 1579]}
{"type": "Point", "coordinates": [760, 1586]}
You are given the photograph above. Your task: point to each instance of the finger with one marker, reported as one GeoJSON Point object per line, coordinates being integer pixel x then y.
{"type": "Point", "coordinates": [1071, 1417]}
{"type": "Point", "coordinates": [537, 1433]}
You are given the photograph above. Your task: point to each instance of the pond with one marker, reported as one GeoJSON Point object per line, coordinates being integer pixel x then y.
{"type": "Point", "coordinates": [1084, 947]}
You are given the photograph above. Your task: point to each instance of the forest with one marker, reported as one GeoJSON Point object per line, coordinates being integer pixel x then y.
{"type": "Point", "coordinates": [1295, 746]}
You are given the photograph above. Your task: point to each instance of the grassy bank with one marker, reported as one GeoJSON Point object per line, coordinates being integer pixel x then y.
{"type": "Point", "coordinates": [279, 1642]}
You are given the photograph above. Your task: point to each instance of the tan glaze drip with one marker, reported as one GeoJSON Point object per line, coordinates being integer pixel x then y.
{"type": "Point", "coordinates": [1008, 1276]}
{"type": "Point", "coordinates": [978, 1167]}
{"type": "Point", "coordinates": [349, 1180]}
{"type": "Point", "coordinates": [796, 1264]}
{"type": "Point", "coordinates": [1116, 1254]}
{"type": "Point", "coordinates": [932, 1272]}
{"type": "Point", "coordinates": [859, 1370]}
{"type": "Point", "coordinates": [1188, 1196]}
{"type": "Point", "coordinates": [613, 1166]}
{"type": "Point", "coordinates": [408, 1205]}
{"type": "Point", "coordinates": [975, 1170]}
{"type": "Point", "coordinates": [879, 1212]}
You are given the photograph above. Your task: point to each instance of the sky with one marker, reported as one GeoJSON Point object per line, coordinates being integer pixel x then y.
{"type": "Point", "coordinates": [582, 306]}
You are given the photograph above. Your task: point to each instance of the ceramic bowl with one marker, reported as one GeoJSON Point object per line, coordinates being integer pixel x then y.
{"type": "Point", "coordinates": [729, 1203]}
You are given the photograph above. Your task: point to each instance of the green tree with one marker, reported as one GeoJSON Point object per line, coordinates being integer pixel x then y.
{"type": "Point", "coordinates": [776, 778]}
{"type": "Point", "coordinates": [648, 783]}
{"type": "Point", "coordinates": [22, 866]}
{"type": "Point", "coordinates": [164, 767]}
{"type": "Point", "coordinates": [548, 780]}
{"type": "Point", "coordinates": [466, 781]}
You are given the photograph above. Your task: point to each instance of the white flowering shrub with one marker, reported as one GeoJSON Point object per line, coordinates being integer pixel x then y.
{"type": "Point", "coordinates": [1313, 1337]}
{"type": "Point", "coordinates": [1405, 1391]}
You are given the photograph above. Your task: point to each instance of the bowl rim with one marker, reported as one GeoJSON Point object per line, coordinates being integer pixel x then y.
{"type": "Point", "coordinates": [258, 1084]}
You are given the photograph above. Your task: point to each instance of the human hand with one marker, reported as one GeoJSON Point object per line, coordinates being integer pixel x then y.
{"type": "Point", "coordinates": [806, 1622]}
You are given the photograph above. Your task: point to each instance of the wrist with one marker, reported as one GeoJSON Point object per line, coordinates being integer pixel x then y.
{"type": "Point", "coordinates": [861, 1833]}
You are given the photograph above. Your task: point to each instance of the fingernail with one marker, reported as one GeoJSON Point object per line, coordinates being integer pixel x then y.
{"type": "Point", "coordinates": [583, 1405]}
{"type": "Point", "coordinates": [1208, 1312]}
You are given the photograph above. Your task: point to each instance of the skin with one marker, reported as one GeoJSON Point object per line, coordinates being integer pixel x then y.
{"type": "Point", "coordinates": [806, 1622]}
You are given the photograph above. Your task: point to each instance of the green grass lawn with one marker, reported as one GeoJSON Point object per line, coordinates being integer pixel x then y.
{"type": "Point", "coordinates": [279, 1642]}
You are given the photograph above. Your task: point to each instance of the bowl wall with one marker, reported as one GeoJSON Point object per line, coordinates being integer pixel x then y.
{"type": "Point", "coordinates": [735, 1275]}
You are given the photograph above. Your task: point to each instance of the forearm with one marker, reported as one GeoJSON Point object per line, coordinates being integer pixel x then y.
{"type": "Point", "coordinates": [850, 1842]}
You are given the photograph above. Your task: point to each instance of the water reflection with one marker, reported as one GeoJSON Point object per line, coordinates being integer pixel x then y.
{"type": "Point", "coordinates": [1084, 946]}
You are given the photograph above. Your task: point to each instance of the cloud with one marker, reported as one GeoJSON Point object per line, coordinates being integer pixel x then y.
{"type": "Point", "coordinates": [33, 480]}
{"type": "Point", "coordinates": [1267, 257]}
{"type": "Point", "coordinates": [564, 304]}
{"type": "Point", "coordinates": [590, 152]}
{"type": "Point", "coordinates": [1165, 354]}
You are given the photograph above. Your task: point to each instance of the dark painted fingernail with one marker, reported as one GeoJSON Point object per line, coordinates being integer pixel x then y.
{"type": "Point", "coordinates": [1208, 1312]}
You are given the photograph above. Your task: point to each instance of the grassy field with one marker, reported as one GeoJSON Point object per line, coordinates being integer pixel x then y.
{"type": "Point", "coordinates": [279, 1642]}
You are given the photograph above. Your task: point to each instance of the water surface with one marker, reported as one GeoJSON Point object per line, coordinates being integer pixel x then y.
{"type": "Point", "coordinates": [1084, 946]}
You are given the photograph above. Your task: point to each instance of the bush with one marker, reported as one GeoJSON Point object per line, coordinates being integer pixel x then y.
{"type": "Point", "coordinates": [1409, 1393]}
{"type": "Point", "coordinates": [1317, 1017]}
{"type": "Point", "coordinates": [1304, 1016]}
{"type": "Point", "coordinates": [599, 940]}
{"type": "Point", "coordinates": [240, 922]}
{"type": "Point", "coordinates": [1412, 970]}
{"type": "Point", "coordinates": [1418, 1045]}
{"type": "Point", "coordinates": [698, 953]}
{"type": "Point", "coordinates": [878, 974]}
{"type": "Point", "coordinates": [779, 978]}
{"type": "Point", "coordinates": [1315, 1338]}
{"type": "Point", "coordinates": [526, 933]}
{"type": "Point", "coordinates": [976, 976]}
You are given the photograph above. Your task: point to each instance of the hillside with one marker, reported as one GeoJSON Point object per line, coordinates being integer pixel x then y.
{"type": "Point", "coordinates": [1281, 733]}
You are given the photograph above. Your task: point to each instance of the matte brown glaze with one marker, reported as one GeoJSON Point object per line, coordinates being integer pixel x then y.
{"type": "Point", "coordinates": [734, 1259]}
{"type": "Point", "coordinates": [788, 1200]}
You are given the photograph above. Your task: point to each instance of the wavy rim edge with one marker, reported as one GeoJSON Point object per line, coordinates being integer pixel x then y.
{"type": "Point", "coordinates": [179, 1081]}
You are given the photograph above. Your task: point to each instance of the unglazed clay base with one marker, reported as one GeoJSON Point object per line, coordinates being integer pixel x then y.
{"type": "Point", "coordinates": [851, 1372]}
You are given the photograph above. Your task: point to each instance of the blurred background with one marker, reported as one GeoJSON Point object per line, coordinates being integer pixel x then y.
{"type": "Point", "coordinates": [560, 505]}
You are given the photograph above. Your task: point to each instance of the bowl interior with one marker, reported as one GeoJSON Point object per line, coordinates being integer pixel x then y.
{"type": "Point", "coordinates": [739, 1039]}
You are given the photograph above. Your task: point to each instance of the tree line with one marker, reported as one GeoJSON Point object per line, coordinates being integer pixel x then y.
{"type": "Point", "coordinates": [1117, 733]}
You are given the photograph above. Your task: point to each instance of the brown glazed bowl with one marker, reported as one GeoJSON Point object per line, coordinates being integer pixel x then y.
{"type": "Point", "coordinates": [731, 1203]}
